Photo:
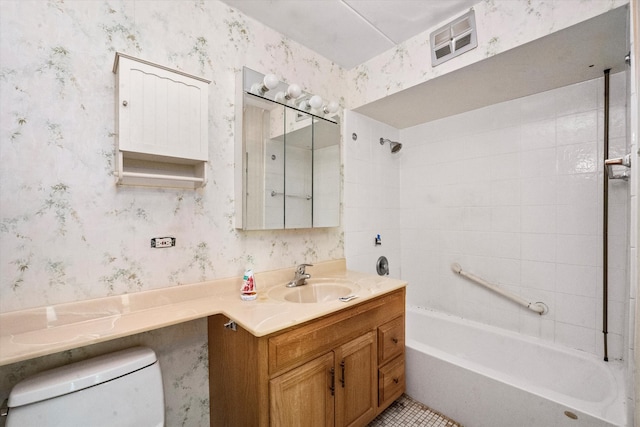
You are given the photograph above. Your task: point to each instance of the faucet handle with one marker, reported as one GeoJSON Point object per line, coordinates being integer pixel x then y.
{"type": "Point", "coordinates": [301, 267]}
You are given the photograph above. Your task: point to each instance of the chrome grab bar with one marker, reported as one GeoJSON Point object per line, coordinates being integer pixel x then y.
{"type": "Point", "coordinates": [275, 193]}
{"type": "Point", "coordinates": [619, 161]}
{"type": "Point", "coordinates": [539, 307]}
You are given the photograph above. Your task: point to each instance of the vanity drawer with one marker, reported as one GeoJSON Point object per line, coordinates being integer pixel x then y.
{"type": "Point", "coordinates": [391, 381]}
{"type": "Point", "coordinates": [390, 339]}
{"type": "Point", "coordinates": [302, 343]}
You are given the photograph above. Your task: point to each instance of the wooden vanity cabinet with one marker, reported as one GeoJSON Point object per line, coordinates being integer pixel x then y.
{"type": "Point", "coordinates": [342, 369]}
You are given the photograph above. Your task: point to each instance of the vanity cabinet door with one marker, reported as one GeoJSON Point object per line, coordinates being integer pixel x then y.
{"type": "Point", "coordinates": [356, 401]}
{"type": "Point", "coordinates": [304, 396]}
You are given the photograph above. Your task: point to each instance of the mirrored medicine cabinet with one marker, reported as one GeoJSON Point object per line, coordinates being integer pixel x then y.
{"type": "Point", "coordinates": [287, 159]}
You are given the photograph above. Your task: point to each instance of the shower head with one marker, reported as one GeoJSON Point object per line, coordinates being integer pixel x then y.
{"type": "Point", "coordinates": [394, 146]}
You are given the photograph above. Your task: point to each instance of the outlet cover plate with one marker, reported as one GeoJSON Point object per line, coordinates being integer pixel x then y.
{"type": "Point", "coordinates": [163, 242]}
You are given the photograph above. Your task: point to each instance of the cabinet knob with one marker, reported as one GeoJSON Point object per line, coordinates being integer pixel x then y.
{"type": "Point", "coordinates": [395, 340]}
{"type": "Point", "coordinates": [125, 103]}
{"type": "Point", "coordinates": [395, 380]}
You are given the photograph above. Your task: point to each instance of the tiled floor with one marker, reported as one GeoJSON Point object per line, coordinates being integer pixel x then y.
{"type": "Point", "coordinates": [407, 412]}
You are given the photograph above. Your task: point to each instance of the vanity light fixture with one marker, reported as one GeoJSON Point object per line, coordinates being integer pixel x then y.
{"type": "Point", "coordinates": [291, 95]}
{"type": "Point", "coordinates": [330, 108]}
{"type": "Point", "coordinates": [269, 82]}
{"type": "Point", "coordinates": [315, 102]}
{"type": "Point", "coordinates": [307, 104]}
{"type": "Point", "coordinates": [303, 105]}
{"type": "Point", "coordinates": [293, 92]}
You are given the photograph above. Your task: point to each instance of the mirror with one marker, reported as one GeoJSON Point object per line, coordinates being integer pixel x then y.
{"type": "Point", "coordinates": [287, 162]}
{"type": "Point", "coordinates": [326, 174]}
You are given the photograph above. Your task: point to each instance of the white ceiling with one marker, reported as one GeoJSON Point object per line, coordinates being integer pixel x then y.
{"type": "Point", "coordinates": [350, 32]}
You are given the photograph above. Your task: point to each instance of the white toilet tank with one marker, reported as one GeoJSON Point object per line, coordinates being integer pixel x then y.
{"type": "Point", "coordinates": [117, 389]}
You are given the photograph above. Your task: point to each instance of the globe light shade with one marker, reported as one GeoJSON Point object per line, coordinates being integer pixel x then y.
{"type": "Point", "coordinates": [331, 107]}
{"type": "Point", "coordinates": [280, 97]}
{"type": "Point", "coordinates": [256, 89]}
{"type": "Point", "coordinates": [315, 102]}
{"type": "Point", "coordinates": [304, 105]}
{"type": "Point", "coordinates": [293, 91]}
{"type": "Point", "coordinates": [271, 81]}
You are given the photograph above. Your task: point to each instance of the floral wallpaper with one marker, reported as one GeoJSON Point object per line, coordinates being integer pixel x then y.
{"type": "Point", "coordinates": [67, 232]}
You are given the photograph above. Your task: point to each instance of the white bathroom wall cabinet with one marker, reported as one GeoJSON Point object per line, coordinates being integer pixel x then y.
{"type": "Point", "coordinates": [161, 125]}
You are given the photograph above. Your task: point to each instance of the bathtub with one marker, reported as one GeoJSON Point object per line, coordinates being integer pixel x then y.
{"type": "Point", "coordinates": [483, 376]}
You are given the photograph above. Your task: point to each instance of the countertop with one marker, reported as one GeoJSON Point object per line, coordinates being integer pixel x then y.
{"type": "Point", "coordinates": [36, 332]}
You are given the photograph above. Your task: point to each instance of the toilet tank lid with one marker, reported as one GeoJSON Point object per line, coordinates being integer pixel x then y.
{"type": "Point", "coordinates": [80, 375]}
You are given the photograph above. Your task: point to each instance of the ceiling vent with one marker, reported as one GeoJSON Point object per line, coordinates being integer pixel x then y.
{"type": "Point", "coordinates": [455, 38]}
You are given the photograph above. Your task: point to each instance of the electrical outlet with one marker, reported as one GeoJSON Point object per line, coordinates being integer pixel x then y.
{"type": "Point", "coordinates": [163, 242]}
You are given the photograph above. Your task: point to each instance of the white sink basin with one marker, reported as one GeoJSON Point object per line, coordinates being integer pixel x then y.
{"type": "Point", "coordinates": [315, 291]}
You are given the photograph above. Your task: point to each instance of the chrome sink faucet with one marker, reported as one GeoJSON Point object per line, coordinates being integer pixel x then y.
{"type": "Point", "coordinates": [300, 277]}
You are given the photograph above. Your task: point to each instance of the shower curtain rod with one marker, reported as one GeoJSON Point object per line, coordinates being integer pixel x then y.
{"type": "Point", "coordinates": [538, 307]}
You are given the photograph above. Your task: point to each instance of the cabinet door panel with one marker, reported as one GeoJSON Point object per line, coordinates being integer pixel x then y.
{"type": "Point", "coordinates": [303, 396]}
{"type": "Point", "coordinates": [161, 112]}
{"type": "Point", "coordinates": [356, 401]}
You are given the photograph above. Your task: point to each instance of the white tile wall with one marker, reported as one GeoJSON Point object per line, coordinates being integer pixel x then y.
{"type": "Point", "coordinates": [512, 192]}
{"type": "Point", "coordinates": [371, 194]}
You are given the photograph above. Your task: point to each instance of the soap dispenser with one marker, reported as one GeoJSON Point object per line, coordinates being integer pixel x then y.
{"type": "Point", "coordinates": [248, 290]}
